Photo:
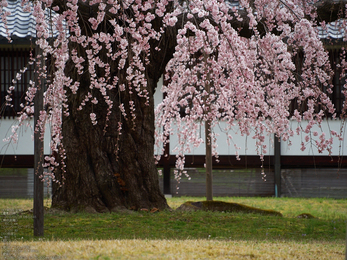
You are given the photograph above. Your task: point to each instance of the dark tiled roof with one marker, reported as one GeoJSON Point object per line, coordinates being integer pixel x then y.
{"type": "Point", "coordinates": [21, 24]}
{"type": "Point", "coordinates": [334, 30]}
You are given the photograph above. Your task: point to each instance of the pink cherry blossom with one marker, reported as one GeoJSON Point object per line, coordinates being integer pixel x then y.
{"type": "Point", "coordinates": [215, 75]}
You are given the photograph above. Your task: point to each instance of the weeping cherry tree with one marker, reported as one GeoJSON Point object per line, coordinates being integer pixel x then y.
{"type": "Point", "coordinates": [226, 64]}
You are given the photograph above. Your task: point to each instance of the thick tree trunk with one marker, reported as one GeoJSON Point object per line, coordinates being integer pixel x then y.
{"type": "Point", "coordinates": [98, 176]}
{"type": "Point", "coordinates": [104, 170]}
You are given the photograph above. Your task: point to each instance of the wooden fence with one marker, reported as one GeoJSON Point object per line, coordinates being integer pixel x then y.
{"type": "Point", "coordinates": [322, 182]}
{"type": "Point", "coordinates": [19, 183]}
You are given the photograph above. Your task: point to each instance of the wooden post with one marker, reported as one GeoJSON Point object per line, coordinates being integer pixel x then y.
{"type": "Point", "coordinates": [167, 170]}
{"type": "Point", "coordinates": [208, 135]}
{"type": "Point", "coordinates": [166, 157]}
{"type": "Point", "coordinates": [38, 150]}
{"type": "Point", "coordinates": [277, 145]}
{"type": "Point", "coordinates": [208, 162]}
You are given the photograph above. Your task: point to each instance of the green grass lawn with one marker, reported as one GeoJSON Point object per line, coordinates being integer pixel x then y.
{"type": "Point", "coordinates": [328, 228]}
{"type": "Point", "coordinates": [329, 225]}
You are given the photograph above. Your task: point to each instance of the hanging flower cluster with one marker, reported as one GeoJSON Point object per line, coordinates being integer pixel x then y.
{"type": "Point", "coordinates": [235, 65]}
{"type": "Point", "coordinates": [121, 29]}
{"type": "Point", "coordinates": [218, 75]}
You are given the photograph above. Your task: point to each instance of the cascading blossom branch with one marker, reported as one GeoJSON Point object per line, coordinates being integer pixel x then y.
{"type": "Point", "coordinates": [126, 46]}
{"type": "Point", "coordinates": [218, 75]}
{"type": "Point", "coordinates": [53, 76]}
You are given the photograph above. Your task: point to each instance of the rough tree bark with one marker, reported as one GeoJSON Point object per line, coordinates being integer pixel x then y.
{"type": "Point", "coordinates": [98, 177]}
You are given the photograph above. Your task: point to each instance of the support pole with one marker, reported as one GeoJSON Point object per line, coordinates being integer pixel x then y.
{"type": "Point", "coordinates": [277, 144]}
{"type": "Point", "coordinates": [208, 134]}
{"type": "Point", "coordinates": [209, 177]}
{"type": "Point", "coordinates": [167, 170]}
{"type": "Point", "coordinates": [38, 150]}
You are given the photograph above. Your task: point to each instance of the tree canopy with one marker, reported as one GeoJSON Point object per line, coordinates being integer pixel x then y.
{"type": "Point", "coordinates": [239, 62]}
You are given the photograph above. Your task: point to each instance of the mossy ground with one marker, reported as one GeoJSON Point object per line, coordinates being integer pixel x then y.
{"type": "Point", "coordinates": [229, 207]}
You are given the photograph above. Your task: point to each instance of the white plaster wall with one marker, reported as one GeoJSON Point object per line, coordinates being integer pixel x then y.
{"type": "Point", "coordinates": [247, 143]}
{"type": "Point", "coordinates": [248, 147]}
{"type": "Point", "coordinates": [25, 144]}
{"type": "Point", "coordinates": [339, 147]}
{"type": "Point", "coordinates": [158, 95]}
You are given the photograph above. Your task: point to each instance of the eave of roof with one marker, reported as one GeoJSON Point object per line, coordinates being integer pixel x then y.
{"type": "Point", "coordinates": [20, 24]}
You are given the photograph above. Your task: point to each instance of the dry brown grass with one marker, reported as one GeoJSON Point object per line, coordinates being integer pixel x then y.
{"type": "Point", "coordinates": [171, 249]}
{"type": "Point", "coordinates": [16, 204]}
